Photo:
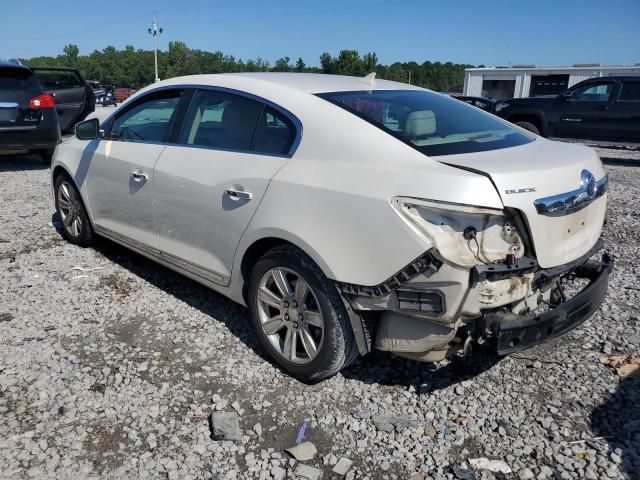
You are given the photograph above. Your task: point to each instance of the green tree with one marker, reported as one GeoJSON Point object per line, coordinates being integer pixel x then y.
{"type": "Point", "coordinates": [71, 53]}
{"type": "Point", "coordinates": [282, 65]}
{"type": "Point", "coordinates": [134, 68]}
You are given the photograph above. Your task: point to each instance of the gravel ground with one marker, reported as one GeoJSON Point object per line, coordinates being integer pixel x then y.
{"type": "Point", "coordinates": [110, 367]}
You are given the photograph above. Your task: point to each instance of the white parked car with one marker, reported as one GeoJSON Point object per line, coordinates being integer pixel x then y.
{"type": "Point", "coordinates": [346, 213]}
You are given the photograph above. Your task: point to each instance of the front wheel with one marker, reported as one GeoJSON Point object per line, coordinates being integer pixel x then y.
{"type": "Point", "coordinates": [298, 315]}
{"type": "Point", "coordinates": [76, 227]}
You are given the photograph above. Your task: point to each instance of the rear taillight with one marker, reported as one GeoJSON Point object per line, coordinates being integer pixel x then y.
{"type": "Point", "coordinates": [42, 101]}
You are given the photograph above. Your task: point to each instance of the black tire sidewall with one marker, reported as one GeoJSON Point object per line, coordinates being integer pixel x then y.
{"type": "Point", "coordinates": [86, 232]}
{"type": "Point", "coordinates": [338, 339]}
{"type": "Point", "coordinates": [528, 126]}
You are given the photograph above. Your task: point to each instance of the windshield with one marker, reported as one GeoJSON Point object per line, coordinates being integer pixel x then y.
{"type": "Point", "coordinates": [429, 122]}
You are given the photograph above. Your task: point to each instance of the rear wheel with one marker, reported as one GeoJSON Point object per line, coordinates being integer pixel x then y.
{"type": "Point", "coordinates": [76, 227]}
{"type": "Point", "coordinates": [298, 315]}
{"type": "Point", "coordinates": [528, 126]}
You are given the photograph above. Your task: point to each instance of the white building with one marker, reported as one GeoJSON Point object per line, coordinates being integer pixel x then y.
{"type": "Point", "coordinates": [530, 81]}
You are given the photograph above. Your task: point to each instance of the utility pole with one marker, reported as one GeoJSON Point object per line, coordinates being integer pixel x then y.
{"type": "Point", "coordinates": [409, 77]}
{"type": "Point", "coordinates": [154, 31]}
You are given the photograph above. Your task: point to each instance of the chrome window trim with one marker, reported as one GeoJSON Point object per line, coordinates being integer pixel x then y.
{"type": "Point", "coordinates": [569, 202]}
{"type": "Point", "coordinates": [184, 86]}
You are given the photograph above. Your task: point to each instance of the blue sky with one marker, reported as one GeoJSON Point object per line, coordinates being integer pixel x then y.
{"type": "Point", "coordinates": [490, 32]}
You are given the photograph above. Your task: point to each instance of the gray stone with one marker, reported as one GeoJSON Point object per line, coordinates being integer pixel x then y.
{"type": "Point", "coordinates": [398, 422]}
{"type": "Point", "coordinates": [306, 472]}
{"type": "Point", "coordinates": [343, 466]}
{"type": "Point", "coordinates": [225, 426]}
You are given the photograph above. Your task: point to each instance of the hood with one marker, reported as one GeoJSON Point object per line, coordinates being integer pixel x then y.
{"type": "Point", "coordinates": [539, 170]}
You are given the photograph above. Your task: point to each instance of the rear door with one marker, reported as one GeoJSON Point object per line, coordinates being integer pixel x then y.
{"type": "Point", "coordinates": [18, 85]}
{"type": "Point", "coordinates": [208, 187]}
{"type": "Point", "coordinates": [74, 99]}
{"type": "Point", "coordinates": [626, 110]}
{"type": "Point", "coordinates": [585, 114]}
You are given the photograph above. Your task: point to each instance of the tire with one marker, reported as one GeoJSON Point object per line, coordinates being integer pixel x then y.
{"type": "Point", "coordinates": [45, 156]}
{"type": "Point", "coordinates": [76, 226]}
{"type": "Point", "coordinates": [335, 345]}
{"type": "Point", "coordinates": [528, 126]}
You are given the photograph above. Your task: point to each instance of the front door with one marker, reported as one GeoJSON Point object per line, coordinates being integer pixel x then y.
{"type": "Point", "coordinates": [585, 113]}
{"type": "Point", "coordinates": [120, 177]}
{"type": "Point", "coordinates": [208, 188]}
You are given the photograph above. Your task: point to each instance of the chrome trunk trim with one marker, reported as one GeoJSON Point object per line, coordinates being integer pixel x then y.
{"type": "Point", "coordinates": [570, 202]}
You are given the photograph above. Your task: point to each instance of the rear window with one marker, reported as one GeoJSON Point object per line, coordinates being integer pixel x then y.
{"type": "Point", "coordinates": [431, 123]}
{"type": "Point", "coordinates": [17, 79]}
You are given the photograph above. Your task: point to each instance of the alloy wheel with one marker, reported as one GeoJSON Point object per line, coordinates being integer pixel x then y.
{"type": "Point", "coordinates": [290, 315]}
{"type": "Point", "coordinates": [70, 209]}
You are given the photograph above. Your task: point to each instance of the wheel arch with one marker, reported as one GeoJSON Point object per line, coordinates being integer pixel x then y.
{"type": "Point", "coordinates": [61, 169]}
{"type": "Point", "coordinates": [262, 245]}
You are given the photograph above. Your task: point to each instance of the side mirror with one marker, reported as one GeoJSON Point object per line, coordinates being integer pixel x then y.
{"type": "Point", "coordinates": [568, 96]}
{"type": "Point", "coordinates": [88, 130]}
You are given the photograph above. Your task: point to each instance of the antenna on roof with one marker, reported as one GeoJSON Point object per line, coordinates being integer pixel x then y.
{"type": "Point", "coordinates": [369, 79]}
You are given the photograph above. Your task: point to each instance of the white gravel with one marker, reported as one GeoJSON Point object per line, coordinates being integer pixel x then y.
{"type": "Point", "coordinates": [112, 370]}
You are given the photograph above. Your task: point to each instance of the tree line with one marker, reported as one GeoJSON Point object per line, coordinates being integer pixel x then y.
{"type": "Point", "coordinates": [135, 68]}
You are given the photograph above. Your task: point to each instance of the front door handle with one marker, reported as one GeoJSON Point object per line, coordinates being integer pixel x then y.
{"type": "Point", "coordinates": [139, 176]}
{"type": "Point", "coordinates": [602, 107]}
{"type": "Point", "coordinates": [236, 193]}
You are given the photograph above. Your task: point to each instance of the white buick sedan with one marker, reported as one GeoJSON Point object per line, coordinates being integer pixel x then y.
{"type": "Point", "coordinates": [346, 213]}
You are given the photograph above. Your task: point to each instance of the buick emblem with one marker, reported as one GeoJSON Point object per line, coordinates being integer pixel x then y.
{"type": "Point", "coordinates": [588, 182]}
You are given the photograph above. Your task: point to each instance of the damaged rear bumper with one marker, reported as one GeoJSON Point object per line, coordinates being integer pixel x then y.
{"type": "Point", "coordinates": [511, 333]}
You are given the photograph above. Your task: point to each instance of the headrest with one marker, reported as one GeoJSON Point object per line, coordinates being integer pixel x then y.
{"type": "Point", "coordinates": [420, 124]}
{"type": "Point", "coordinates": [238, 120]}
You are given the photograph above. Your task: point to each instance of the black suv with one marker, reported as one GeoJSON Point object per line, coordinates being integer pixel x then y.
{"type": "Point", "coordinates": [598, 108]}
{"type": "Point", "coordinates": [37, 105]}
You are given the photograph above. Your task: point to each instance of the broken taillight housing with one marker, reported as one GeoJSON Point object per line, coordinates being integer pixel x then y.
{"type": "Point", "coordinates": [443, 226]}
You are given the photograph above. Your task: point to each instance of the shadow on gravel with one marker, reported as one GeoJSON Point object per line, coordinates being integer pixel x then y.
{"type": "Point", "coordinates": [213, 304]}
{"type": "Point", "coordinates": [19, 163]}
{"type": "Point", "coordinates": [618, 421]}
{"type": "Point", "coordinates": [386, 369]}
{"type": "Point", "coordinates": [377, 367]}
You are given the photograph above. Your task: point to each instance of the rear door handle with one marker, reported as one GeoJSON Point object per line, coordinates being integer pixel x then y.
{"type": "Point", "coordinates": [139, 176]}
{"type": "Point", "coordinates": [236, 193]}
{"type": "Point", "coordinates": [602, 107]}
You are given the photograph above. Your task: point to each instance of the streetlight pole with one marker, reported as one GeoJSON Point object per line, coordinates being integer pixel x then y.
{"type": "Point", "coordinates": [154, 31]}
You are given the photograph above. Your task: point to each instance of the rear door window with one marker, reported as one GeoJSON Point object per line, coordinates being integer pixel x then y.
{"type": "Point", "coordinates": [58, 79]}
{"type": "Point", "coordinates": [148, 120]}
{"type": "Point", "coordinates": [275, 133]}
{"type": "Point", "coordinates": [221, 120]}
{"type": "Point", "coordinates": [630, 91]}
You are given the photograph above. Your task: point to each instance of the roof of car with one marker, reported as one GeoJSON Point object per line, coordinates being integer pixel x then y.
{"type": "Point", "coordinates": [5, 64]}
{"type": "Point", "coordinates": [612, 77]}
{"type": "Point", "coordinates": [306, 82]}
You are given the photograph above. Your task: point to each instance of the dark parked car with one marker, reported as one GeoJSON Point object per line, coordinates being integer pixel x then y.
{"type": "Point", "coordinates": [105, 94]}
{"type": "Point", "coordinates": [598, 108]}
{"type": "Point", "coordinates": [37, 105]}
{"type": "Point", "coordinates": [483, 103]}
